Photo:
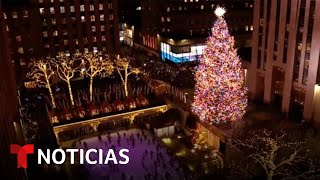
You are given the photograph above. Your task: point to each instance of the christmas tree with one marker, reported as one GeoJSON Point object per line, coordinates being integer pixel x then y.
{"type": "Point", "coordinates": [220, 94]}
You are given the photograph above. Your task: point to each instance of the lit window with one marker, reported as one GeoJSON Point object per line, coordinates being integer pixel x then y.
{"type": "Point", "coordinates": [25, 13]}
{"type": "Point", "coordinates": [95, 49]}
{"type": "Point", "coordinates": [180, 8]}
{"type": "Point", "coordinates": [20, 50]}
{"type": "Point", "coordinates": [40, 1]}
{"type": "Point", "coordinates": [197, 0]}
{"type": "Point", "coordinates": [251, 28]}
{"type": "Point", "coordinates": [45, 34]}
{"type": "Point", "coordinates": [93, 18]}
{"type": "Point", "coordinates": [191, 0]}
{"type": "Point", "coordinates": [55, 33]}
{"type": "Point", "coordinates": [77, 51]}
{"type": "Point", "coordinates": [85, 40]}
{"type": "Point", "coordinates": [110, 5]}
{"type": "Point", "coordinates": [93, 28]}
{"type": "Point", "coordinates": [185, 8]}
{"type": "Point", "coordinates": [247, 28]}
{"type": "Point", "coordinates": [168, 30]}
{"type": "Point", "coordinates": [46, 45]}
{"type": "Point", "coordinates": [162, 19]}
{"type": "Point", "coordinates": [53, 21]}
{"type": "Point", "coordinates": [111, 17]}
{"type": "Point", "coordinates": [65, 32]}
{"type": "Point", "coordinates": [18, 38]}
{"type": "Point", "coordinates": [104, 38]}
{"type": "Point", "coordinates": [52, 10]}
{"type": "Point", "coordinates": [14, 14]}
{"type": "Point", "coordinates": [104, 48]}
{"type": "Point", "coordinates": [185, 0]}
{"type": "Point", "coordinates": [22, 62]}
{"type": "Point", "coordinates": [100, 7]}
{"type": "Point", "coordinates": [102, 28]}
{"type": "Point", "coordinates": [91, 7]}
{"type": "Point", "coordinates": [86, 50]}
{"type": "Point", "coordinates": [94, 39]}
{"type": "Point", "coordinates": [4, 15]}
{"type": "Point", "coordinates": [65, 42]}
{"type": "Point", "coordinates": [163, 29]}
{"type": "Point", "coordinates": [168, 9]}
{"type": "Point", "coordinates": [82, 8]}
{"type": "Point", "coordinates": [71, 8]}
{"type": "Point", "coordinates": [168, 19]}
{"type": "Point", "coordinates": [62, 10]}
{"type": "Point", "coordinates": [202, 7]}
{"type": "Point", "coordinates": [63, 20]}
{"type": "Point", "coordinates": [83, 19]}
{"type": "Point", "coordinates": [101, 17]}
{"type": "Point", "coordinates": [41, 10]}
{"type": "Point", "coordinates": [7, 27]}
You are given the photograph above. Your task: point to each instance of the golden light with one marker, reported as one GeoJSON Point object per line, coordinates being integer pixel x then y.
{"type": "Point", "coordinates": [220, 11]}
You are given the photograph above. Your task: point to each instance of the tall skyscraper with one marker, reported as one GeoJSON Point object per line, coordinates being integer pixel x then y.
{"type": "Point", "coordinates": [8, 106]}
{"type": "Point", "coordinates": [285, 56]}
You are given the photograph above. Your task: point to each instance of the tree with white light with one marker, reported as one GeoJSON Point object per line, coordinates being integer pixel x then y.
{"type": "Point", "coordinates": [124, 69]}
{"type": "Point", "coordinates": [277, 153]}
{"type": "Point", "coordinates": [41, 72]}
{"type": "Point", "coordinates": [66, 68]}
{"type": "Point", "coordinates": [95, 64]}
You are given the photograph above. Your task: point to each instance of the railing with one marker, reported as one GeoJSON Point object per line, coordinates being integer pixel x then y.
{"type": "Point", "coordinates": [95, 122]}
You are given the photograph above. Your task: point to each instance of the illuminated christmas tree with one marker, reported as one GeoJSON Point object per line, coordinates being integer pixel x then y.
{"type": "Point", "coordinates": [220, 94]}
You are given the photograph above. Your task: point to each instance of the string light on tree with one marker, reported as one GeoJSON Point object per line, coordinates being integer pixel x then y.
{"type": "Point", "coordinates": [220, 95]}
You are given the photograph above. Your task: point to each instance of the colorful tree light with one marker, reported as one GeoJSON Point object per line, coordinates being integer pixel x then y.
{"type": "Point", "coordinates": [220, 94]}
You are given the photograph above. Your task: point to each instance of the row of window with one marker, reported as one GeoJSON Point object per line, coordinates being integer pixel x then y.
{"type": "Point", "coordinates": [72, 8]}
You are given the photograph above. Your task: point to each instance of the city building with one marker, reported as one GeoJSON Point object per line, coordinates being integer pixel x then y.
{"type": "Point", "coordinates": [285, 56]}
{"type": "Point", "coordinates": [8, 106]}
{"type": "Point", "coordinates": [45, 27]}
{"type": "Point", "coordinates": [177, 30]}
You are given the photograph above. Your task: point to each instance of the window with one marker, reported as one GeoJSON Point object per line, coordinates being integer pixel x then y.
{"type": "Point", "coordinates": [52, 10]}
{"type": "Point", "coordinates": [20, 50]}
{"type": "Point", "coordinates": [93, 18]}
{"type": "Point", "coordinates": [110, 6]}
{"type": "Point", "coordinates": [251, 28]}
{"type": "Point", "coordinates": [18, 38]}
{"type": "Point", "coordinates": [83, 19]}
{"type": "Point", "coordinates": [41, 10]}
{"type": "Point", "coordinates": [94, 39]}
{"type": "Point", "coordinates": [111, 17]}
{"type": "Point", "coordinates": [65, 42]}
{"type": "Point", "coordinates": [168, 9]}
{"type": "Point", "coordinates": [180, 8]}
{"type": "Point", "coordinates": [86, 50]}
{"type": "Point", "coordinates": [101, 17]}
{"type": "Point", "coordinates": [53, 21]}
{"type": "Point", "coordinates": [55, 33]}
{"type": "Point", "coordinates": [93, 28]}
{"type": "Point", "coordinates": [100, 7]}
{"type": "Point", "coordinates": [25, 14]}
{"type": "Point", "coordinates": [247, 28]}
{"type": "Point", "coordinates": [85, 40]}
{"type": "Point", "coordinates": [168, 19]}
{"type": "Point", "coordinates": [63, 20]}
{"type": "Point", "coordinates": [14, 14]}
{"type": "Point", "coordinates": [71, 8]}
{"type": "Point", "coordinates": [82, 8]}
{"type": "Point", "coordinates": [45, 34]}
{"type": "Point", "coordinates": [62, 9]}
{"type": "Point", "coordinates": [202, 7]}
{"type": "Point", "coordinates": [104, 39]}
{"type": "Point", "coordinates": [102, 28]}
{"type": "Point", "coordinates": [91, 7]}
{"type": "Point", "coordinates": [162, 19]}
{"type": "Point", "coordinates": [40, 1]}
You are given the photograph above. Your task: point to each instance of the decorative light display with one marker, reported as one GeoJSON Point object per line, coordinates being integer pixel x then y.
{"type": "Point", "coordinates": [220, 94]}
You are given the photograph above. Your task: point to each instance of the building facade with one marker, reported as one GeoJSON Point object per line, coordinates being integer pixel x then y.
{"type": "Point", "coordinates": [45, 27]}
{"type": "Point", "coordinates": [285, 56]}
{"type": "Point", "coordinates": [178, 29]}
{"type": "Point", "coordinates": [8, 107]}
